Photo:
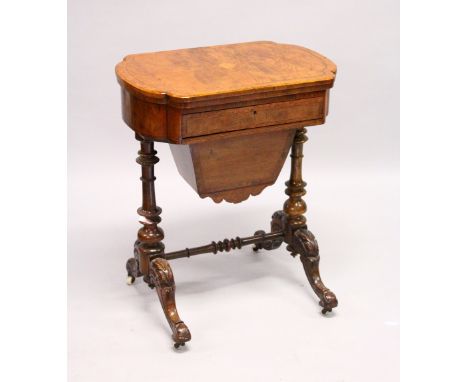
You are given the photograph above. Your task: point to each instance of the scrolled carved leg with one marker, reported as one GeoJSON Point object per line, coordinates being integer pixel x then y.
{"type": "Point", "coordinates": [293, 222]}
{"type": "Point", "coordinates": [148, 260]}
{"type": "Point", "coordinates": [306, 245]}
{"type": "Point", "coordinates": [160, 275]}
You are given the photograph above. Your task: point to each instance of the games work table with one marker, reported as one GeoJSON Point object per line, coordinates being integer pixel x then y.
{"type": "Point", "coordinates": [231, 113]}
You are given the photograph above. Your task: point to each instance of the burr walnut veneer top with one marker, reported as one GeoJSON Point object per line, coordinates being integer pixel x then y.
{"type": "Point", "coordinates": [224, 71]}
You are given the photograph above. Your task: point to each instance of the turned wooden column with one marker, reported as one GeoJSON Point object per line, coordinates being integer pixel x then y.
{"type": "Point", "coordinates": [149, 243]}
{"type": "Point", "coordinates": [295, 207]}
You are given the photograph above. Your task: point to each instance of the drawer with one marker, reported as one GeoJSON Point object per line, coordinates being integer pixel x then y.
{"type": "Point", "coordinates": [277, 113]}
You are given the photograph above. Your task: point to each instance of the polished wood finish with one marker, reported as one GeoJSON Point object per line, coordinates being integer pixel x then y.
{"type": "Point", "coordinates": [232, 169]}
{"type": "Point", "coordinates": [249, 117]}
{"type": "Point", "coordinates": [162, 279]}
{"type": "Point", "coordinates": [186, 76]}
{"type": "Point", "coordinates": [174, 95]}
{"type": "Point", "coordinates": [167, 124]}
{"type": "Point", "coordinates": [260, 240]}
{"type": "Point", "coordinates": [295, 207]}
{"type": "Point", "coordinates": [150, 235]}
{"type": "Point", "coordinates": [146, 119]}
{"type": "Point", "coordinates": [214, 99]}
{"type": "Point", "coordinates": [231, 114]}
{"type": "Point", "coordinates": [149, 258]}
{"type": "Point", "coordinates": [293, 224]}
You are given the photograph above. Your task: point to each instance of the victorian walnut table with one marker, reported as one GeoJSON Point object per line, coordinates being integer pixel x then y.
{"type": "Point", "coordinates": [230, 113]}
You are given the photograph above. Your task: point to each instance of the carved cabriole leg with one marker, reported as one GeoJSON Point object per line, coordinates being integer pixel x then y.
{"type": "Point", "coordinates": [292, 220]}
{"type": "Point", "coordinates": [162, 278]}
{"type": "Point", "coordinates": [305, 243]}
{"type": "Point", "coordinates": [149, 258]}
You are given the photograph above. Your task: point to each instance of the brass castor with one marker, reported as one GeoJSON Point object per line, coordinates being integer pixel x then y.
{"type": "Point", "coordinates": [130, 280]}
{"type": "Point", "coordinates": [178, 344]}
{"type": "Point", "coordinates": [325, 310]}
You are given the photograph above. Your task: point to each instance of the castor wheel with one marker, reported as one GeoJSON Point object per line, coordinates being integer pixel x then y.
{"type": "Point", "coordinates": [130, 280]}
{"type": "Point", "coordinates": [325, 310]}
{"type": "Point", "coordinates": [177, 344]}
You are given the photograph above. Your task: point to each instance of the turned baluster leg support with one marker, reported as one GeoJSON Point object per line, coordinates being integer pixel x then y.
{"type": "Point", "coordinates": [149, 257]}
{"type": "Point", "coordinates": [293, 224]}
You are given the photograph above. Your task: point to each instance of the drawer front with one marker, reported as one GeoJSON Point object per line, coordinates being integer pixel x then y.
{"type": "Point", "coordinates": [277, 113]}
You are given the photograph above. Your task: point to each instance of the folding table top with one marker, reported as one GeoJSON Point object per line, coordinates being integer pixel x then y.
{"type": "Point", "coordinates": [247, 70]}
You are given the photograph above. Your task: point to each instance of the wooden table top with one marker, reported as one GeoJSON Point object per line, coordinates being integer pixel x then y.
{"type": "Point", "coordinates": [223, 71]}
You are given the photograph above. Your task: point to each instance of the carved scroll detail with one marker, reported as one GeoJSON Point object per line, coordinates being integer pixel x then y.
{"type": "Point", "coordinates": [161, 277]}
{"type": "Point", "coordinates": [306, 245]}
{"type": "Point", "coordinates": [293, 222]}
{"type": "Point", "coordinates": [148, 258]}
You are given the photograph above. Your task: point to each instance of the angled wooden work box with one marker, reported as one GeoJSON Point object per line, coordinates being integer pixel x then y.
{"type": "Point", "coordinates": [231, 114]}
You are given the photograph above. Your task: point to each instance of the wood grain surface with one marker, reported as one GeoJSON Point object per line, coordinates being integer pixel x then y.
{"type": "Point", "coordinates": [235, 167]}
{"type": "Point", "coordinates": [188, 75]}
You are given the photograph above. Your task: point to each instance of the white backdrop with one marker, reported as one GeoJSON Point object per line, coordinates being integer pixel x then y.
{"type": "Point", "coordinates": [252, 317]}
